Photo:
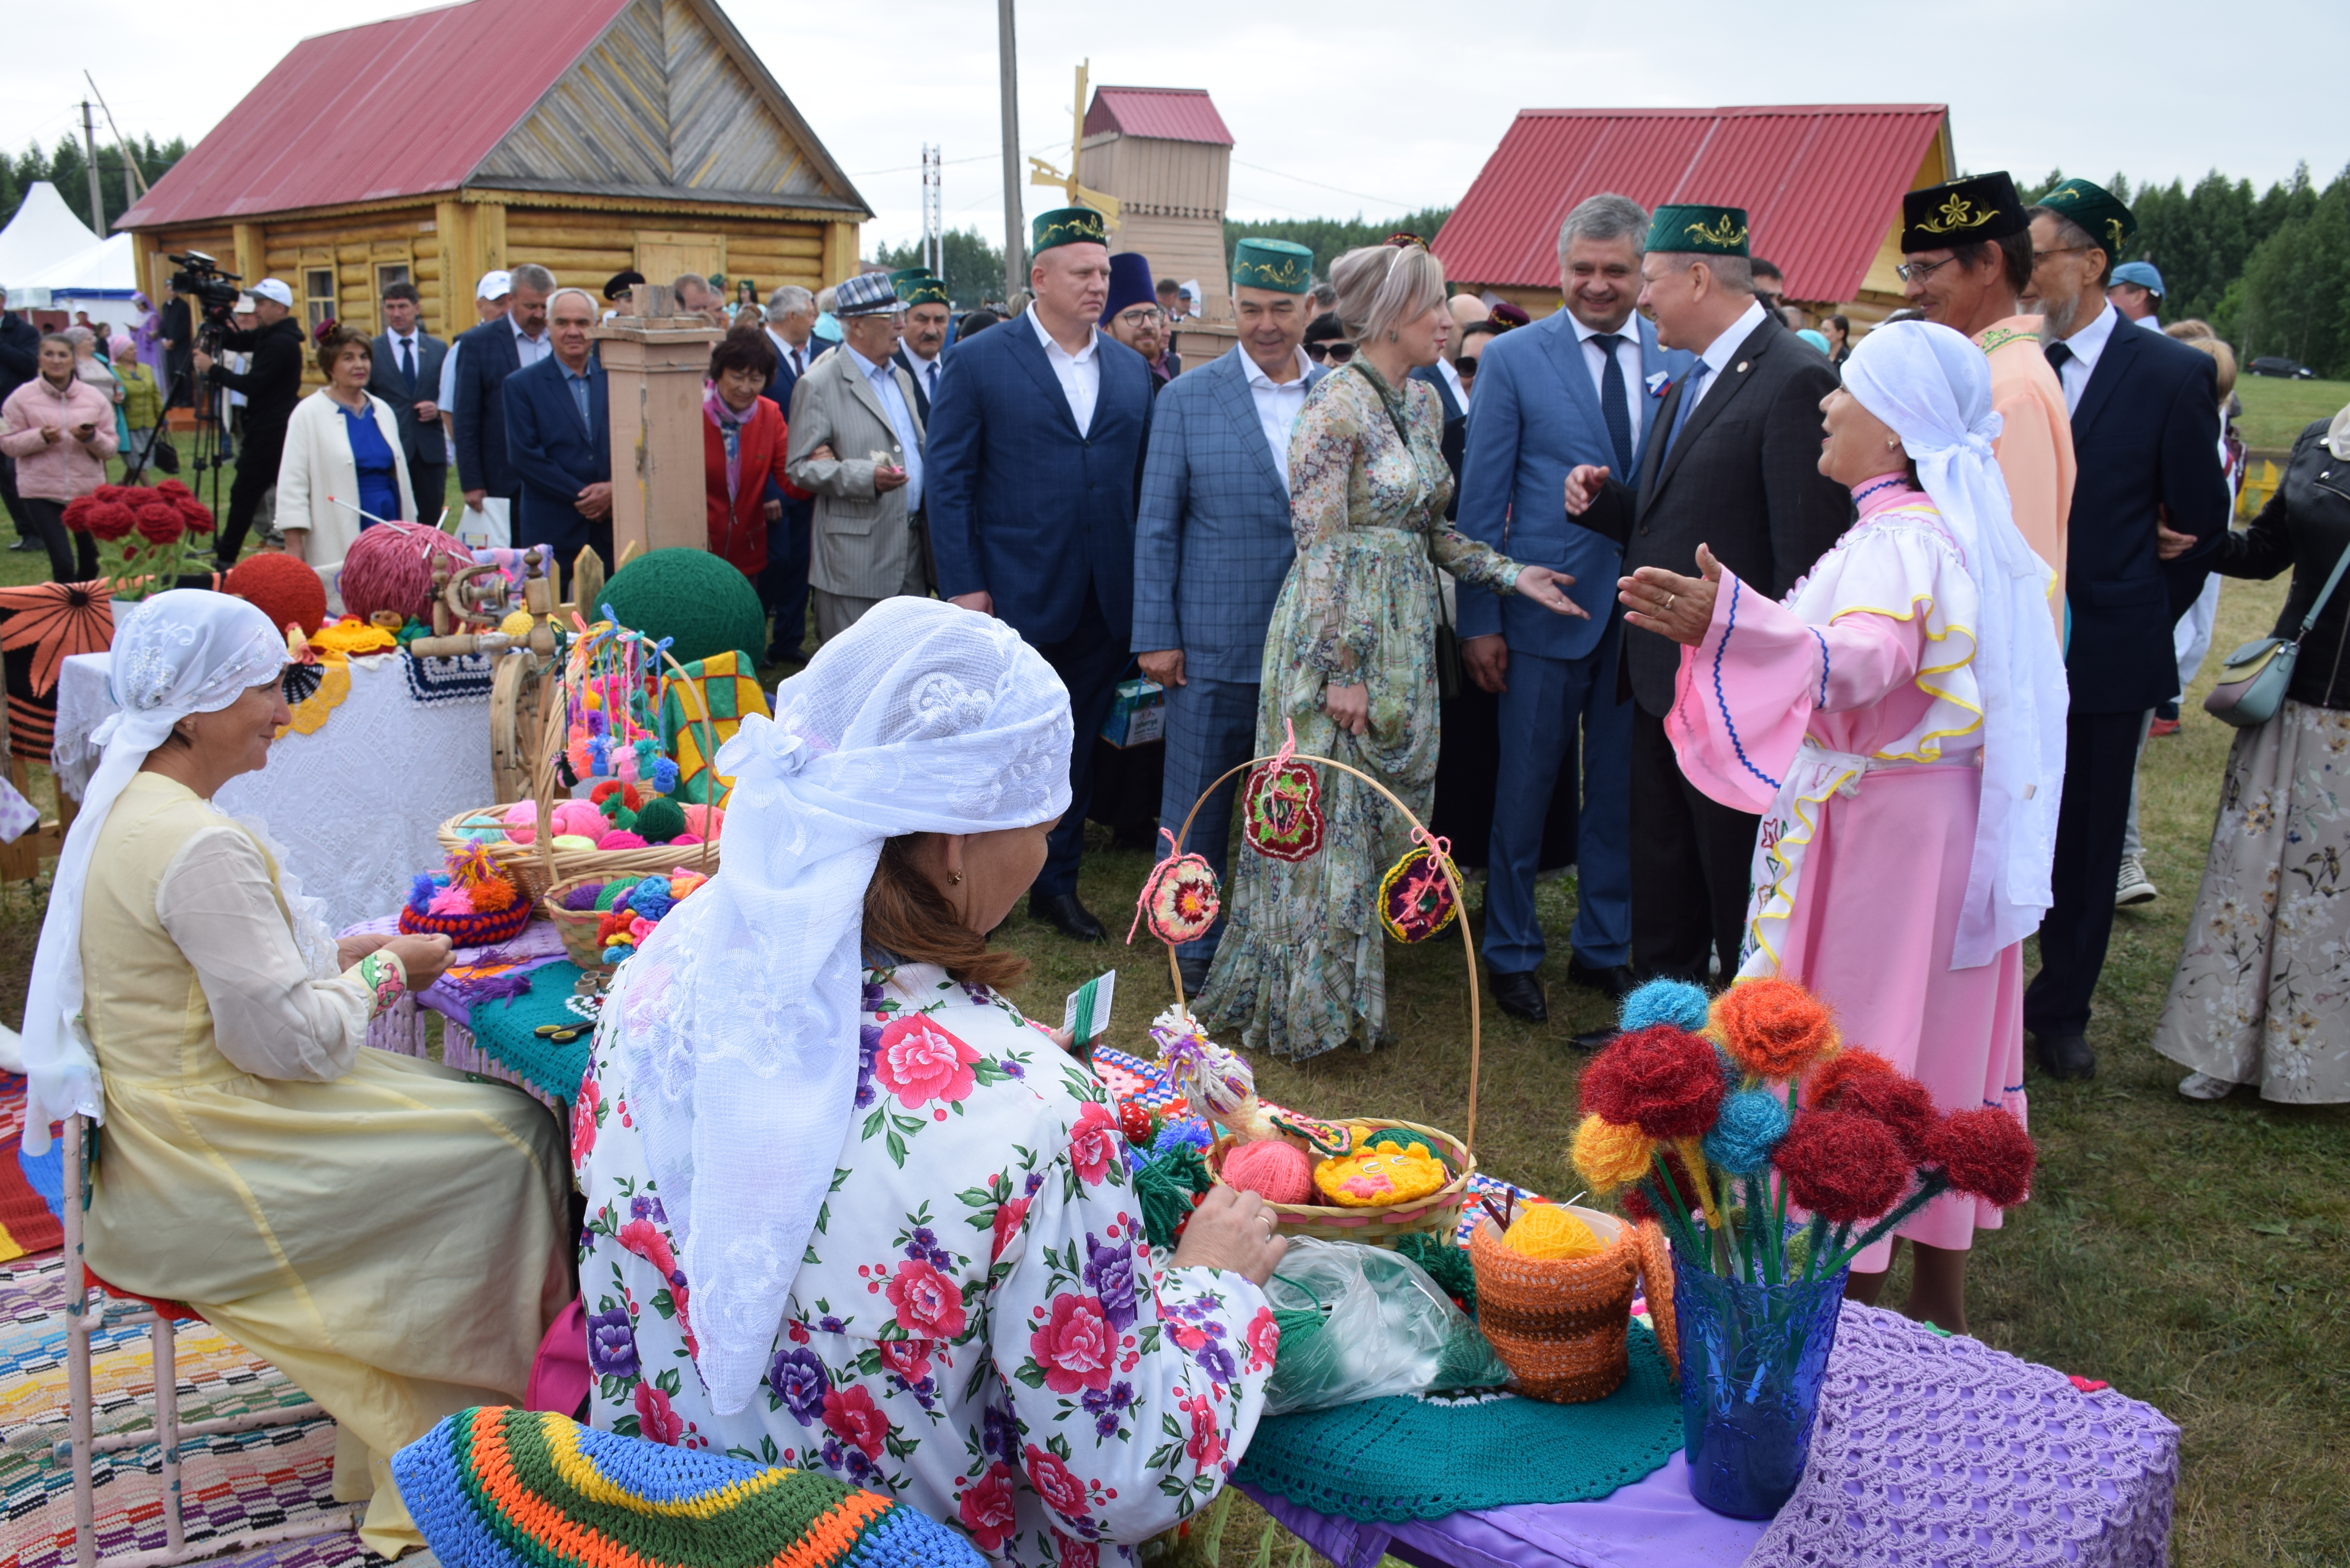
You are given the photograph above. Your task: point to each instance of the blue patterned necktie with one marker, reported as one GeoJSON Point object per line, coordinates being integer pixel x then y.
{"type": "Point", "coordinates": [1612, 411]}
{"type": "Point", "coordinates": [1690, 386]}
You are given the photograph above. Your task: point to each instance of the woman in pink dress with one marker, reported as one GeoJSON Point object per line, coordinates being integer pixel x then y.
{"type": "Point", "coordinates": [1898, 721]}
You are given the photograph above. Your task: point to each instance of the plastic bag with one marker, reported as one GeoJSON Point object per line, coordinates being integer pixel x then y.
{"type": "Point", "coordinates": [1384, 1327]}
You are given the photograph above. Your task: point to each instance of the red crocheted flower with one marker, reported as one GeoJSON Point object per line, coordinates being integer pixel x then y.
{"type": "Point", "coordinates": [160, 522]}
{"type": "Point", "coordinates": [1634, 1200]}
{"type": "Point", "coordinates": [1772, 1028]}
{"type": "Point", "coordinates": [1848, 1063]}
{"type": "Point", "coordinates": [1986, 1153]}
{"type": "Point", "coordinates": [1842, 1166]}
{"type": "Point", "coordinates": [193, 512]}
{"type": "Point", "coordinates": [109, 520]}
{"type": "Point", "coordinates": [1899, 1104]}
{"type": "Point", "coordinates": [1663, 1080]}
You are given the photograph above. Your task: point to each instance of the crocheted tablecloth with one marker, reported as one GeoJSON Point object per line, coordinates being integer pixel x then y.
{"type": "Point", "coordinates": [1929, 1450]}
{"type": "Point", "coordinates": [506, 1031]}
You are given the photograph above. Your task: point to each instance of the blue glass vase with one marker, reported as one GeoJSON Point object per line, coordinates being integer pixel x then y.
{"type": "Point", "coordinates": [1753, 1359]}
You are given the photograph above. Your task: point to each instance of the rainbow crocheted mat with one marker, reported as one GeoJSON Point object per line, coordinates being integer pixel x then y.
{"type": "Point", "coordinates": [30, 1186]}
{"type": "Point", "coordinates": [501, 1487]}
{"type": "Point", "coordinates": [239, 1481]}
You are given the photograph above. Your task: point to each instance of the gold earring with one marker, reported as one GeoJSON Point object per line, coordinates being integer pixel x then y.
{"type": "Point", "coordinates": [1894, 442]}
{"type": "Point", "coordinates": [956, 879]}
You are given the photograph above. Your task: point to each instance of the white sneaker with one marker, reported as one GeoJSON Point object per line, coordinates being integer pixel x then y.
{"type": "Point", "coordinates": [2204, 1086]}
{"type": "Point", "coordinates": [2134, 888]}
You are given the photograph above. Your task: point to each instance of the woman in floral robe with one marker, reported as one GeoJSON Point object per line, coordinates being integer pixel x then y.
{"type": "Point", "coordinates": [976, 1325]}
{"type": "Point", "coordinates": [1350, 662]}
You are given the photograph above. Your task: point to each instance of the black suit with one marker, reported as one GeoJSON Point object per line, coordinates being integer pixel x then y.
{"type": "Point", "coordinates": [20, 362]}
{"type": "Point", "coordinates": [1742, 478]}
{"type": "Point", "coordinates": [1456, 430]}
{"type": "Point", "coordinates": [2145, 438]}
{"type": "Point", "coordinates": [922, 376]}
{"type": "Point", "coordinates": [790, 541]}
{"type": "Point", "coordinates": [486, 356]}
{"type": "Point", "coordinates": [421, 444]}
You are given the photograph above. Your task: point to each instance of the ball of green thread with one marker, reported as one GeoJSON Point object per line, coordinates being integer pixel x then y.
{"type": "Point", "coordinates": [662, 820]}
{"type": "Point", "coordinates": [692, 597]}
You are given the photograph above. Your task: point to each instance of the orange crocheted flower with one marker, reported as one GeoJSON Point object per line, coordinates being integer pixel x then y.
{"type": "Point", "coordinates": [1772, 1028]}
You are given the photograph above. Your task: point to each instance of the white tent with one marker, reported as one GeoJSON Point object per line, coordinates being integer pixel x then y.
{"type": "Point", "coordinates": [43, 233]}
{"type": "Point", "coordinates": [100, 279]}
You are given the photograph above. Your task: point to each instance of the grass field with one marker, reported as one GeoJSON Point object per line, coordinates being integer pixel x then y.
{"type": "Point", "coordinates": [2194, 1255]}
{"type": "Point", "coordinates": [2275, 410]}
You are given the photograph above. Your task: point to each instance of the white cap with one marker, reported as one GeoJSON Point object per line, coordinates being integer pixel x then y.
{"type": "Point", "coordinates": [494, 285]}
{"type": "Point", "coordinates": [270, 288]}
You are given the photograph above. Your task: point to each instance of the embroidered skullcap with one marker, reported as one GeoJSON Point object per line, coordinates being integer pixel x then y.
{"type": "Point", "coordinates": [1697, 228]}
{"type": "Point", "coordinates": [1962, 213]}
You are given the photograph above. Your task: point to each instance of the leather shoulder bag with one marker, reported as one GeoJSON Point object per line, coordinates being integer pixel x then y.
{"type": "Point", "coordinates": [2252, 682]}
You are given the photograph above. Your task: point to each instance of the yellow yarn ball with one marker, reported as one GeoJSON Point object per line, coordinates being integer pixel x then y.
{"type": "Point", "coordinates": [517, 625]}
{"type": "Point", "coordinates": [1609, 1156]}
{"type": "Point", "coordinates": [1548, 1232]}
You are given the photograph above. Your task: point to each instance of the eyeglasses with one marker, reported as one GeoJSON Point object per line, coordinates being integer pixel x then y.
{"type": "Point", "coordinates": [1336, 353]}
{"type": "Point", "coordinates": [1914, 272]}
{"type": "Point", "coordinates": [1141, 315]}
{"type": "Point", "coordinates": [2038, 256]}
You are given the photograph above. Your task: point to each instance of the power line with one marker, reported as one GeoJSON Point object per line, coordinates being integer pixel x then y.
{"type": "Point", "coordinates": [1360, 195]}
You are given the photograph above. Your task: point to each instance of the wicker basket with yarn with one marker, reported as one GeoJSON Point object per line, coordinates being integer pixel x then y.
{"type": "Point", "coordinates": [1378, 1226]}
{"type": "Point", "coordinates": [1655, 1255]}
{"type": "Point", "coordinates": [1562, 1328]}
{"type": "Point", "coordinates": [578, 927]}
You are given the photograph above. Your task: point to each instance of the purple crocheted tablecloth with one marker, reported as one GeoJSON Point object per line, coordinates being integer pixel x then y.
{"type": "Point", "coordinates": [1929, 1451]}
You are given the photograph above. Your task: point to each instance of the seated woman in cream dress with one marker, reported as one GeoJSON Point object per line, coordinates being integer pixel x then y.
{"type": "Point", "coordinates": [384, 1232]}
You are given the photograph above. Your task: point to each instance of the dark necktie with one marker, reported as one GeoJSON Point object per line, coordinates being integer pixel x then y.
{"type": "Point", "coordinates": [930, 379]}
{"type": "Point", "coordinates": [1618, 417]}
{"type": "Point", "coordinates": [2059, 355]}
{"type": "Point", "coordinates": [1691, 385]}
{"type": "Point", "coordinates": [408, 363]}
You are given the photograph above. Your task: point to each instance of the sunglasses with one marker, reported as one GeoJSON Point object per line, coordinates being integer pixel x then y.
{"type": "Point", "coordinates": [1336, 353]}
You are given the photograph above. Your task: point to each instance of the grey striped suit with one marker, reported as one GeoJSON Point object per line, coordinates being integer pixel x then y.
{"type": "Point", "coordinates": [865, 547]}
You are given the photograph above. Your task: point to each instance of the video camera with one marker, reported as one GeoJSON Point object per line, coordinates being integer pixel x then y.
{"type": "Point", "coordinates": [216, 291]}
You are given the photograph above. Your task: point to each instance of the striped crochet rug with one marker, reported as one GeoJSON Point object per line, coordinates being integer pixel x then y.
{"type": "Point", "coordinates": [30, 1189]}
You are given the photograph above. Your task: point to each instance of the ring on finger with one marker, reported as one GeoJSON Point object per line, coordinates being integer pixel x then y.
{"type": "Point", "coordinates": [1668, 600]}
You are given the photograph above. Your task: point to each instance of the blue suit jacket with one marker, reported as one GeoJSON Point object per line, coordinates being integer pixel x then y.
{"type": "Point", "coordinates": [480, 413]}
{"type": "Point", "coordinates": [553, 458]}
{"type": "Point", "coordinates": [2146, 436]}
{"type": "Point", "coordinates": [1020, 503]}
{"type": "Point", "coordinates": [1534, 415]}
{"type": "Point", "coordinates": [1212, 542]}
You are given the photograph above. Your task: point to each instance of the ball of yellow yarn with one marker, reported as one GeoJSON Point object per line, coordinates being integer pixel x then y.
{"type": "Point", "coordinates": [1546, 1231]}
{"type": "Point", "coordinates": [1609, 1156]}
{"type": "Point", "coordinates": [517, 625]}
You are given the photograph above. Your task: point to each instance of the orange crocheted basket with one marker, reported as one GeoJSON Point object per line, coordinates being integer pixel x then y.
{"type": "Point", "coordinates": [1562, 1328]}
{"type": "Point", "coordinates": [1655, 1255]}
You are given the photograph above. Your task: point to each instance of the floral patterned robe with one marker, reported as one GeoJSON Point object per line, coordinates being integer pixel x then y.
{"type": "Point", "coordinates": [979, 1327]}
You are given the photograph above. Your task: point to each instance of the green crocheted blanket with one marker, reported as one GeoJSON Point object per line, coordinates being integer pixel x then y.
{"type": "Point", "coordinates": [1421, 1457]}
{"type": "Point", "coordinates": [506, 1030]}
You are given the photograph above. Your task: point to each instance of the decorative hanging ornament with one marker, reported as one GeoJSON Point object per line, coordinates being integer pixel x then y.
{"type": "Point", "coordinates": [1180, 900]}
{"type": "Point", "coordinates": [1416, 898]}
{"type": "Point", "coordinates": [1282, 809]}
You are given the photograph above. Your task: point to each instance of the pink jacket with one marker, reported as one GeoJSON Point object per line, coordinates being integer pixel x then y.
{"type": "Point", "coordinates": [68, 470]}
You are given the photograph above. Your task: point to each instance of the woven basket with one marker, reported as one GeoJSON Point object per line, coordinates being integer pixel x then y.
{"type": "Point", "coordinates": [1561, 1326]}
{"type": "Point", "coordinates": [1655, 1255]}
{"type": "Point", "coordinates": [1379, 1226]}
{"type": "Point", "coordinates": [576, 927]}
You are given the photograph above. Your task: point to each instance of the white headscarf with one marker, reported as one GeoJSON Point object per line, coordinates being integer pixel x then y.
{"type": "Point", "coordinates": [738, 1020]}
{"type": "Point", "coordinates": [1933, 387]}
{"type": "Point", "coordinates": [184, 651]}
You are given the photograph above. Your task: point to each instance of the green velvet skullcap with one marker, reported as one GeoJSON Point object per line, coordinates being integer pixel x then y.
{"type": "Point", "coordinates": [2094, 209]}
{"type": "Point", "coordinates": [1697, 228]}
{"type": "Point", "coordinates": [1273, 263]}
{"type": "Point", "coordinates": [1962, 213]}
{"type": "Point", "coordinates": [1067, 226]}
{"type": "Point", "coordinates": [915, 286]}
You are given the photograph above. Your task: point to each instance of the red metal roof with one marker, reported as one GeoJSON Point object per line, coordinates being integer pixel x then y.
{"type": "Point", "coordinates": [1169, 114]}
{"type": "Point", "coordinates": [1821, 183]}
{"type": "Point", "coordinates": [392, 109]}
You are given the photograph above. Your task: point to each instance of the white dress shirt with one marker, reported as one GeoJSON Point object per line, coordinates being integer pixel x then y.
{"type": "Point", "coordinates": [415, 350]}
{"type": "Point", "coordinates": [1278, 404]}
{"type": "Point", "coordinates": [1452, 379]}
{"type": "Point", "coordinates": [926, 372]}
{"type": "Point", "coordinates": [1078, 373]}
{"type": "Point", "coordinates": [1718, 353]}
{"type": "Point", "coordinates": [528, 350]}
{"type": "Point", "coordinates": [798, 358]}
{"type": "Point", "coordinates": [2087, 345]}
{"type": "Point", "coordinates": [1628, 361]}
{"type": "Point", "coordinates": [883, 379]}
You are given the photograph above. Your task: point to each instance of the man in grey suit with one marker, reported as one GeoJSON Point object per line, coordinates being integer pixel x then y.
{"type": "Point", "coordinates": [1212, 543]}
{"type": "Point", "coordinates": [857, 443]}
{"type": "Point", "coordinates": [407, 375]}
{"type": "Point", "coordinates": [1580, 386]}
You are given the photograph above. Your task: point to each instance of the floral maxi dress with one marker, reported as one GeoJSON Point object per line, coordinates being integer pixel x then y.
{"type": "Point", "coordinates": [1302, 967]}
{"type": "Point", "coordinates": [979, 1328]}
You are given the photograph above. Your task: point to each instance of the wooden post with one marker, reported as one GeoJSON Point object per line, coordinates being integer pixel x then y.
{"type": "Point", "coordinates": [251, 263]}
{"type": "Point", "coordinates": [839, 252]}
{"type": "Point", "coordinates": [655, 363]}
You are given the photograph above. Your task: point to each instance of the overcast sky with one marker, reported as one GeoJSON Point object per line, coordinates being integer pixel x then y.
{"type": "Point", "coordinates": [1370, 107]}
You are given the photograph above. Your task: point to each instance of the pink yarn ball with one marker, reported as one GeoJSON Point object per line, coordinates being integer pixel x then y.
{"type": "Point", "coordinates": [389, 567]}
{"type": "Point", "coordinates": [620, 838]}
{"type": "Point", "coordinates": [687, 838]}
{"type": "Point", "coordinates": [579, 816]}
{"type": "Point", "coordinates": [1276, 1171]}
{"type": "Point", "coordinates": [522, 821]}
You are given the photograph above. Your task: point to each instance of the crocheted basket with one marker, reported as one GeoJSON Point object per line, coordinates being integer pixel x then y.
{"type": "Point", "coordinates": [1655, 1255]}
{"type": "Point", "coordinates": [471, 930]}
{"type": "Point", "coordinates": [1560, 1326]}
{"type": "Point", "coordinates": [1379, 1227]}
{"type": "Point", "coordinates": [500, 1488]}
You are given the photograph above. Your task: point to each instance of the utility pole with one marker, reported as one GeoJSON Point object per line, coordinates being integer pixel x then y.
{"type": "Point", "coordinates": [89, 156]}
{"type": "Point", "coordinates": [1015, 271]}
{"type": "Point", "coordinates": [933, 213]}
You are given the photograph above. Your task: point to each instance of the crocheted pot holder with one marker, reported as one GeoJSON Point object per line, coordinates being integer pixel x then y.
{"type": "Point", "coordinates": [471, 930]}
{"type": "Point", "coordinates": [1180, 900]}
{"type": "Point", "coordinates": [500, 1488]}
{"type": "Point", "coordinates": [1282, 811]}
{"type": "Point", "coordinates": [1416, 897]}
{"type": "Point", "coordinates": [1379, 1459]}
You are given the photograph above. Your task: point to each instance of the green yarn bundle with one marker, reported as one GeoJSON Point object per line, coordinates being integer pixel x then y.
{"type": "Point", "coordinates": [704, 606]}
{"type": "Point", "coordinates": [1448, 1266]}
{"type": "Point", "coordinates": [1167, 1189]}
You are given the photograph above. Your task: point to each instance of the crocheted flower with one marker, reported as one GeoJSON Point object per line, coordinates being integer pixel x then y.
{"type": "Point", "coordinates": [1661, 1079]}
{"type": "Point", "coordinates": [797, 1380]}
{"type": "Point", "coordinates": [1898, 1103]}
{"type": "Point", "coordinates": [1752, 1122]}
{"type": "Point", "coordinates": [1093, 1142]}
{"type": "Point", "coordinates": [1986, 1153]}
{"type": "Point", "coordinates": [1075, 1348]}
{"type": "Point", "coordinates": [1841, 1167]}
{"type": "Point", "coordinates": [1773, 1027]}
{"type": "Point", "coordinates": [1109, 1274]}
{"type": "Point", "coordinates": [1635, 1202]}
{"type": "Point", "coordinates": [849, 1415]}
{"type": "Point", "coordinates": [159, 522]}
{"type": "Point", "coordinates": [918, 1062]}
{"type": "Point", "coordinates": [612, 1344]}
{"type": "Point", "coordinates": [1848, 1063]}
{"type": "Point", "coordinates": [929, 1304]}
{"type": "Point", "coordinates": [109, 520]}
{"type": "Point", "coordinates": [1058, 1485]}
{"type": "Point", "coordinates": [989, 1509]}
{"type": "Point", "coordinates": [1673, 1001]}
{"type": "Point", "coordinates": [1609, 1156]}
{"type": "Point", "coordinates": [656, 1421]}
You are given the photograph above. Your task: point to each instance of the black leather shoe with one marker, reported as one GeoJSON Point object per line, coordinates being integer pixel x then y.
{"type": "Point", "coordinates": [22, 543]}
{"type": "Point", "coordinates": [1591, 1039]}
{"type": "Point", "coordinates": [2065, 1055]}
{"type": "Point", "coordinates": [1066, 914]}
{"type": "Point", "coordinates": [1520, 995]}
{"type": "Point", "coordinates": [1195, 976]}
{"type": "Point", "coordinates": [1614, 981]}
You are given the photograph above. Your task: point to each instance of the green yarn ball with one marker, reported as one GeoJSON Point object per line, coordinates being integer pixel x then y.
{"type": "Point", "coordinates": [662, 820]}
{"type": "Point", "coordinates": [694, 599]}
{"type": "Point", "coordinates": [613, 890]}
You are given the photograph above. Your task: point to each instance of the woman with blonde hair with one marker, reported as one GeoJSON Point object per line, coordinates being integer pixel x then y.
{"type": "Point", "coordinates": [1350, 662]}
{"type": "Point", "coordinates": [343, 470]}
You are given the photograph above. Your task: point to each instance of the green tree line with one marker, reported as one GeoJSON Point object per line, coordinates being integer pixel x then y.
{"type": "Point", "coordinates": [65, 167]}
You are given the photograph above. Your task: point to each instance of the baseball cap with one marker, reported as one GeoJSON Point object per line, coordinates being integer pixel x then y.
{"type": "Point", "coordinates": [494, 284]}
{"type": "Point", "coordinates": [270, 288]}
{"type": "Point", "coordinates": [2142, 273]}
